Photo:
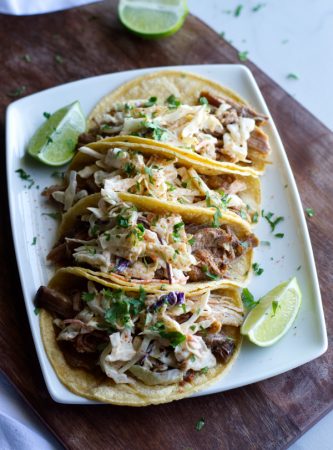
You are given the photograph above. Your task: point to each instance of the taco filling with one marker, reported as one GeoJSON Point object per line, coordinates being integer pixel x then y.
{"type": "Point", "coordinates": [216, 127]}
{"type": "Point", "coordinates": [140, 245]}
{"type": "Point", "coordinates": [130, 336]}
{"type": "Point", "coordinates": [121, 170]}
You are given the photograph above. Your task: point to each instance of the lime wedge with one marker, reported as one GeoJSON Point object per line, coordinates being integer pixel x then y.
{"type": "Point", "coordinates": [153, 18]}
{"type": "Point", "coordinates": [54, 142]}
{"type": "Point", "coordinates": [272, 317]}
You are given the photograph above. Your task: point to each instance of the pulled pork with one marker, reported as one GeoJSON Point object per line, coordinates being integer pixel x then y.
{"type": "Point", "coordinates": [214, 249]}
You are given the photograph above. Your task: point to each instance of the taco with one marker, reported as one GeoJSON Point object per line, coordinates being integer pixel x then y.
{"type": "Point", "coordinates": [187, 113]}
{"type": "Point", "coordinates": [159, 173]}
{"type": "Point", "coordinates": [131, 239]}
{"type": "Point", "coordinates": [134, 347]}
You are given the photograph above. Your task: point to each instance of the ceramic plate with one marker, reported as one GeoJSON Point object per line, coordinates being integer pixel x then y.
{"type": "Point", "coordinates": [34, 230]}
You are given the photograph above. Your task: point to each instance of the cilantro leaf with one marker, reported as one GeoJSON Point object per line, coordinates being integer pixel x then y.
{"type": "Point", "coordinates": [238, 10]}
{"type": "Point", "coordinates": [255, 217]}
{"type": "Point", "coordinates": [174, 337]}
{"type": "Point", "coordinates": [150, 102]}
{"type": "Point", "coordinates": [257, 269]}
{"type": "Point", "coordinates": [292, 76]}
{"type": "Point", "coordinates": [209, 274]}
{"type": "Point", "coordinates": [176, 229]}
{"type": "Point", "coordinates": [310, 212]}
{"type": "Point", "coordinates": [200, 424]}
{"type": "Point", "coordinates": [217, 217]}
{"type": "Point", "coordinates": [248, 299]}
{"type": "Point", "coordinates": [173, 102]}
{"type": "Point", "coordinates": [17, 92]}
{"type": "Point", "coordinates": [243, 55]}
{"type": "Point", "coordinates": [258, 7]}
{"type": "Point", "coordinates": [87, 296]}
{"type": "Point", "coordinates": [25, 176]}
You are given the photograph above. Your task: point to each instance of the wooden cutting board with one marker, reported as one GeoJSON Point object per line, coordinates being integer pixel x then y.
{"type": "Point", "coordinates": [267, 415]}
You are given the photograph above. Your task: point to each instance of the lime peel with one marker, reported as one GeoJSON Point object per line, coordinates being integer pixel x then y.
{"type": "Point", "coordinates": [267, 322]}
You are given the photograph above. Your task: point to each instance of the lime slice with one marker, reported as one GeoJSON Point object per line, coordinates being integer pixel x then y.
{"type": "Point", "coordinates": [273, 316]}
{"type": "Point", "coordinates": [153, 18]}
{"type": "Point", "coordinates": [54, 142]}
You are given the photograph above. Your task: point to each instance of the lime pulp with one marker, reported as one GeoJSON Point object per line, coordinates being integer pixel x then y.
{"type": "Point", "coordinates": [153, 18]}
{"type": "Point", "coordinates": [272, 317]}
{"type": "Point", "coordinates": [55, 140]}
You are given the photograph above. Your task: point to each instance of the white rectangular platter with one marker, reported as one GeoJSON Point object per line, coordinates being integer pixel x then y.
{"type": "Point", "coordinates": [282, 259]}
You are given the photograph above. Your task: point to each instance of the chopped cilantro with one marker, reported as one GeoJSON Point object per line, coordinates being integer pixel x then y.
{"type": "Point", "coordinates": [191, 241]}
{"type": "Point", "coordinates": [149, 172]}
{"type": "Point", "coordinates": [310, 212]}
{"type": "Point", "coordinates": [238, 10]}
{"type": "Point", "coordinates": [106, 127]}
{"type": "Point", "coordinates": [138, 231]}
{"type": "Point", "coordinates": [87, 296]}
{"type": "Point", "coordinates": [25, 176]}
{"type": "Point", "coordinates": [37, 311]}
{"type": "Point", "coordinates": [57, 173]}
{"type": "Point", "coordinates": [17, 92]}
{"type": "Point", "coordinates": [225, 199]}
{"type": "Point", "coordinates": [27, 58]}
{"type": "Point", "coordinates": [208, 202]}
{"type": "Point", "coordinates": [159, 133]}
{"type": "Point", "coordinates": [122, 221]}
{"type": "Point", "coordinates": [129, 168]}
{"type": "Point", "coordinates": [299, 268]}
{"type": "Point", "coordinates": [255, 217]}
{"type": "Point", "coordinates": [150, 102]}
{"type": "Point", "coordinates": [243, 55]}
{"type": "Point", "coordinates": [272, 222]}
{"type": "Point", "coordinates": [59, 59]}
{"type": "Point", "coordinates": [173, 102]}
{"type": "Point", "coordinates": [171, 187]}
{"type": "Point", "coordinates": [257, 269]}
{"type": "Point", "coordinates": [200, 424]}
{"type": "Point", "coordinates": [192, 327]}
{"type": "Point", "coordinates": [46, 115]}
{"type": "Point", "coordinates": [142, 294]}
{"type": "Point", "coordinates": [258, 7]}
{"type": "Point", "coordinates": [107, 235]}
{"type": "Point", "coordinates": [158, 326]}
{"type": "Point", "coordinates": [209, 274]}
{"type": "Point", "coordinates": [174, 337]}
{"type": "Point", "coordinates": [204, 370]}
{"type": "Point", "coordinates": [55, 215]}
{"type": "Point", "coordinates": [93, 231]}
{"type": "Point", "coordinates": [292, 76]}
{"type": "Point", "coordinates": [176, 228]}
{"type": "Point", "coordinates": [217, 217]}
{"type": "Point", "coordinates": [203, 101]}
{"type": "Point", "coordinates": [184, 184]}
{"type": "Point", "coordinates": [243, 214]}
{"type": "Point", "coordinates": [248, 299]}
{"type": "Point", "coordinates": [279, 235]}
{"type": "Point", "coordinates": [121, 308]}
{"type": "Point", "coordinates": [183, 307]}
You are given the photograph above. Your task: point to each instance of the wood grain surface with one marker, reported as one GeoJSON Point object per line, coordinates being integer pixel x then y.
{"type": "Point", "coordinates": [266, 415]}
